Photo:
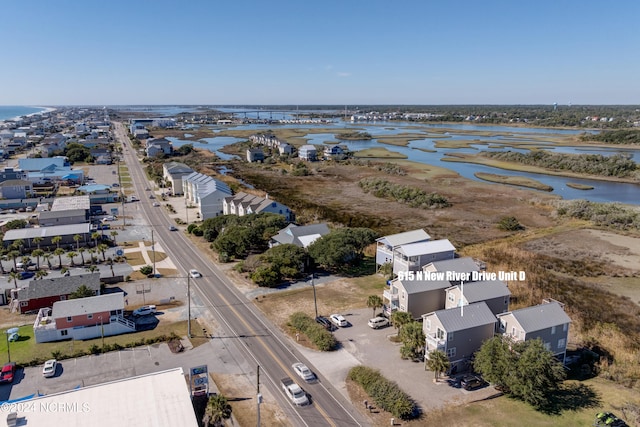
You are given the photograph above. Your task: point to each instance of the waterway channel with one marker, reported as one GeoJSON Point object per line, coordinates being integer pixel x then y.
{"type": "Point", "coordinates": [603, 191]}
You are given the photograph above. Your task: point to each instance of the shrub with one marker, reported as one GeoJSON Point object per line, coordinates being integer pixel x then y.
{"type": "Point", "coordinates": [510, 223]}
{"type": "Point", "coordinates": [146, 270]}
{"type": "Point", "coordinates": [385, 393]}
{"type": "Point", "coordinates": [318, 335]}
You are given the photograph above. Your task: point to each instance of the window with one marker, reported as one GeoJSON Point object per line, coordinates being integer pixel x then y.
{"type": "Point", "coordinates": [24, 303]}
{"type": "Point", "coordinates": [440, 334]}
{"type": "Point", "coordinates": [547, 346]}
{"type": "Point", "coordinates": [451, 352]}
{"type": "Point", "coordinates": [513, 331]}
{"type": "Point", "coordinates": [506, 300]}
{"type": "Point", "coordinates": [553, 330]}
{"type": "Point", "coordinates": [64, 332]}
{"type": "Point", "coordinates": [428, 324]}
{"type": "Point", "coordinates": [562, 343]}
{"type": "Point", "coordinates": [89, 316]}
{"type": "Point", "coordinates": [63, 297]}
{"type": "Point", "coordinates": [69, 319]}
{"type": "Point", "coordinates": [565, 327]}
{"type": "Point", "coordinates": [450, 336]}
{"type": "Point", "coordinates": [503, 325]}
{"type": "Point", "coordinates": [452, 297]}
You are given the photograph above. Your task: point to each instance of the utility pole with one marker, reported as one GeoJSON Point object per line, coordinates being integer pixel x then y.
{"type": "Point", "coordinates": [189, 306]}
{"type": "Point", "coordinates": [153, 249]}
{"type": "Point", "coordinates": [258, 395]}
{"type": "Point", "coordinates": [315, 301]}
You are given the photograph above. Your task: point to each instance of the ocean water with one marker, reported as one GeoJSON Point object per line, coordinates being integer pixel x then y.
{"type": "Point", "coordinates": [11, 111]}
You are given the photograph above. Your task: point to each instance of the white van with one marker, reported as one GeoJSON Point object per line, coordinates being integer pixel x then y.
{"type": "Point", "coordinates": [378, 322]}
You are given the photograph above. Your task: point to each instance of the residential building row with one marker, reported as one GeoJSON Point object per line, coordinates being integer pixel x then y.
{"type": "Point", "coordinates": [458, 313]}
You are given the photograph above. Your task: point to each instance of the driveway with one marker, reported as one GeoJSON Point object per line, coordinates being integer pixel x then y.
{"type": "Point", "coordinates": [372, 348]}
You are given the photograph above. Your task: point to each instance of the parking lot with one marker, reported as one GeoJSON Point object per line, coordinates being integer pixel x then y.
{"type": "Point", "coordinates": [371, 347]}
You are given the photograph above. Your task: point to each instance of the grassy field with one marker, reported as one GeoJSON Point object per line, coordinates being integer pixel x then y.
{"type": "Point", "coordinates": [579, 186]}
{"type": "Point", "coordinates": [378, 153]}
{"type": "Point", "coordinates": [26, 349]}
{"type": "Point", "coordinates": [513, 180]}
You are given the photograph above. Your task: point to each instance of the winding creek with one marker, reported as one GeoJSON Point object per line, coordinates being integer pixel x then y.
{"type": "Point", "coordinates": [604, 191]}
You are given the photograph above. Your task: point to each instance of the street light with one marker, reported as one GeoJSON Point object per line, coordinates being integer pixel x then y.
{"type": "Point", "coordinates": [189, 305]}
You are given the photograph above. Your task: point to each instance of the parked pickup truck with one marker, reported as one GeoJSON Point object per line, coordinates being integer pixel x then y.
{"type": "Point", "coordinates": [294, 392]}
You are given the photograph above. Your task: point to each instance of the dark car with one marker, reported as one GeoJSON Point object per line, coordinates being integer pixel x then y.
{"type": "Point", "coordinates": [25, 275]}
{"type": "Point", "coordinates": [472, 382]}
{"type": "Point", "coordinates": [8, 371]}
{"type": "Point", "coordinates": [326, 323]}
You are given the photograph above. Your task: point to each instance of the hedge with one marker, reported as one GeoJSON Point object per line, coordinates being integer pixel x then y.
{"type": "Point", "coordinates": [318, 335]}
{"type": "Point", "coordinates": [385, 393]}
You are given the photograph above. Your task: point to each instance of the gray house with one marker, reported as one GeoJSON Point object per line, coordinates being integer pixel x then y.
{"type": "Point", "coordinates": [173, 172]}
{"type": "Point", "coordinates": [546, 321]}
{"type": "Point", "coordinates": [255, 155]}
{"type": "Point", "coordinates": [307, 152]}
{"type": "Point", "coordinates": [63, 217]}
{"type": "Point", "coordinates": [494, 292]}
{"type": "Point", "coordinates": [458, 332]}
{"type": "Point", "coordinates": [459, 267]}
{"type": "Point", "coordinates": [414, 256]}
{"type": "Point", "coordinates": [16, 189]}
{"type": "Point", "coordinates": [414, 296]}
{"type": "Point", "coordinates": [385, 246]}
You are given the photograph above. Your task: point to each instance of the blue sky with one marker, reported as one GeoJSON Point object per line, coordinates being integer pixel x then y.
{"type": "Point", "coordinates": [349, 52]}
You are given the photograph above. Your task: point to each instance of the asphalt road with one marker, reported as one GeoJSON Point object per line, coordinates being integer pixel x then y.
{"type": "Point", "coordinates": [257, 339]}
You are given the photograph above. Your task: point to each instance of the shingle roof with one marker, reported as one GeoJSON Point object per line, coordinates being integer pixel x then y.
{"type": "Point", "coordinates": [90, 305]}
{"type": "Point", "coordinates": [404, 238]}
{"type": "Point", "coordinates": [540, 317]}
{"type": "Point", "coordinates": [461, 318]}
{"type": "Point", "coordinates": [58, 286]}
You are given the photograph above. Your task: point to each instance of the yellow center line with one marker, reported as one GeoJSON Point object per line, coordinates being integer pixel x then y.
{"type": "Point", "coordinates": [273, 356]}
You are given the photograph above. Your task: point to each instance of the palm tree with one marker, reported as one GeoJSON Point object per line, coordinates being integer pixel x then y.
{"type": "Point", "coordinates": [37, 240]}
{"type": "Point", "coordinates": [13, 254]}
{"type": "Point", "coordinates": [437, 362]}
{"type": "Point", "coordinates": [41, 273]}
{"type": "Point", "coordinates": [92, 252]}
{"type": "Point", "coordinates": [58, 252]}
{"type": "Point", "coordinates": [114, 233]}
{"type": "Point", "coordinates": [37, 253]}
{"type": "Point", "coordinates": [95, 236]}
{"type": "Point", "coordinates": [399, 319]}
{"type": "Point", "coordinates": [217, 410]}
{"type": "Point", "coordinates": [56, 241]}
{"type": "Point", "coordinates": [71, 255]}
{"type": "Point", "coordinates": [17, 245]}
{"type": "Point", "coordinates": [14, 275]}
{"type": "Point", "coordinates": [374, 302]}
{"type": "Point", "coordinates": [110, 262]}
{"type": "Point", "coordinates": [47, 257]}
{"type": "Point", "coordinates": [3, 257]}
{"type": "Point", "coordinates": [77, 239]}
{"type": "Point", "coordinates": [92, 268]}
{"type": "Point", "coordinates": [25, 262]}
{"type": "Point", "coordinates": [413, 340]}
{"type": "Point", "coordinates": [102, 247]}
{"type": "Point", "coordinates": [81, 251]}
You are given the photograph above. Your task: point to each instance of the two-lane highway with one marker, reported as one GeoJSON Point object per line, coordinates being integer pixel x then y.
{"type": "Point", "coordinates": [256, 337]}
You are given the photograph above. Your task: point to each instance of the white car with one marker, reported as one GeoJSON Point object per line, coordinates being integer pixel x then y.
{"type": "Point", "coordinates": [49, 368]}
{"type": "Point", "coordinates": [303, 372]}
{"type": "Point", "coordinates": [338, 320]}
{"type": "Point", "coordinates": [144, 310]}
{"type": "Point", "coordinates": [156, 204]}
{"type": "Point", "coordinates": [378, 322]}
{"type": "Point", "coordinates": [194, 274]}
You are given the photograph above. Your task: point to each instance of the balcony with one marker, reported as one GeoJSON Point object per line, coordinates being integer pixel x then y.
{"type": "Point", "coordinates": [434, 343]}
{"type": "Point", "coordinates": [391, 296]}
